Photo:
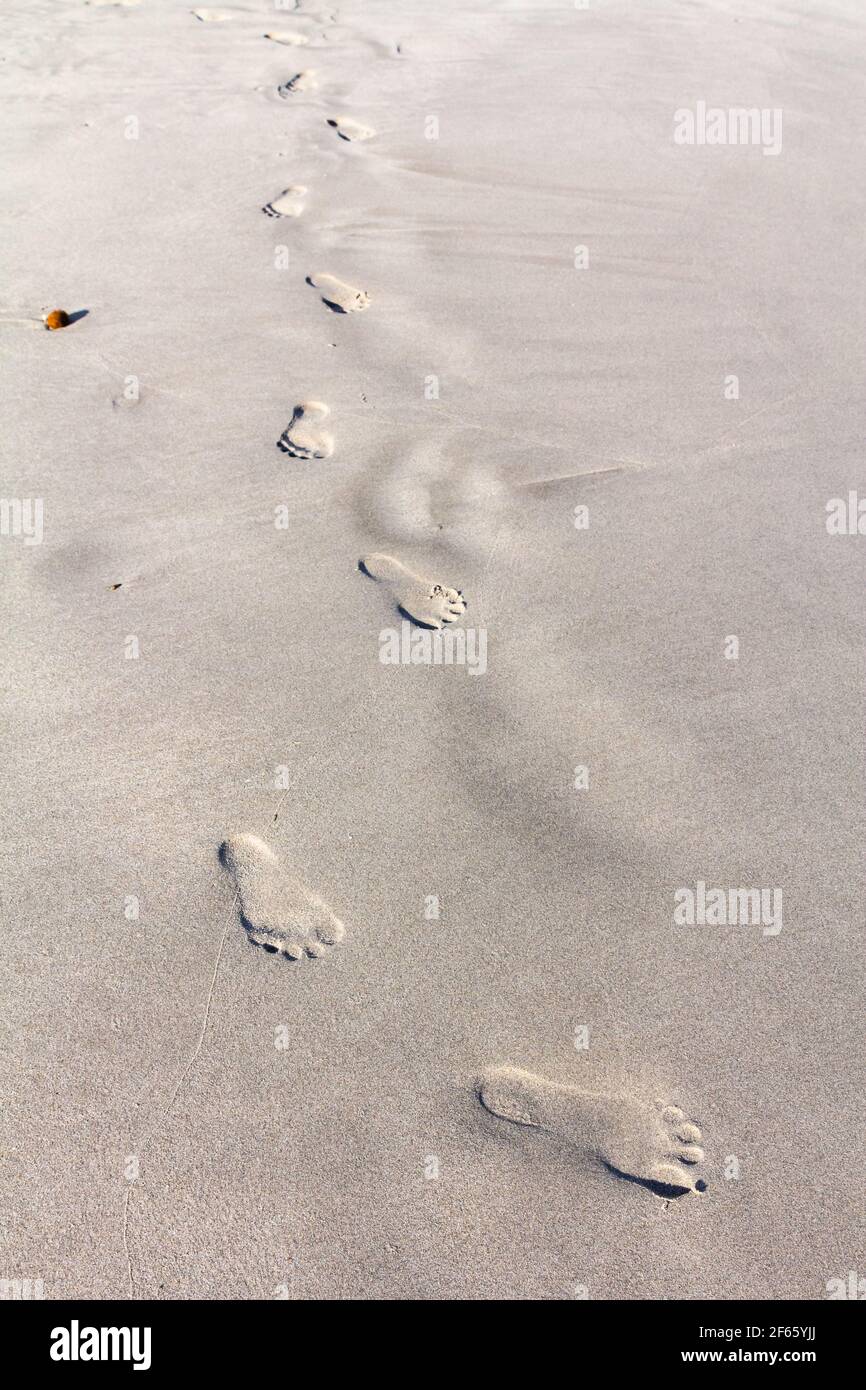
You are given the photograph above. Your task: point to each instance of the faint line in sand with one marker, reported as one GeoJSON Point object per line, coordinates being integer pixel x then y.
{"type": "Point", "coordinates": [568, 477]}
{"type": "Point", "coordinates": [196, 1052]}
{"type": "Point", "coordinates": [183, 1077]}
{"type": "Point", "coordinates": [726, 442]}
{"type": "Point", "coordinates": [126, 1242]}
{"type": "Point", "coordinates": [198, 1047]}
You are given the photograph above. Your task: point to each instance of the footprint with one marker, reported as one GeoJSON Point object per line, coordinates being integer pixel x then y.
{"type": "Point", "coordinates": [287, 37]}
{"type": "Point", "coordinates": [301, 438]}
{"type": "Point", "coordinates": [301, 82]}
{"type": "Point", "coordinates": [339, 296]}
{"type": "Point", "coordinates": [424, 601]}
{"type": "Point", "coordinates": [290, 203]}
{"type": "Point", "coordinates": [277, 910]}
{"type": "Point", "coordinates": [347, 129]}
{"type": "Point", "coordinates": [429, 489]}
{"type": "Point", "coordinates": [214, 16]}
{"type": "Point", "coordinates": [634, 1139]}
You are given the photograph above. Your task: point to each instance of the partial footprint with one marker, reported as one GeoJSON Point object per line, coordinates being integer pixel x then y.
{"type": "Point", "coordinates": [347, 129]}
{"type": "Point", "coordinates": [301, 82]}
{"type": "Point", "coordinates": [422, 600]}
{"type": "Point", "coordinates": [214, 16]}
{"type": "Point", "coordinates": [339, 296]}
{"type": "Point", "coordinates": [302, 438]}
{"type": "Point", "coordinates": [277, 910]}
{"type": "Point", "coordinates": [429, 489]}
{"type": "Point", "coordinates": [635, 1139]}
{"type": "Point", "coordinates": [286, 36]}
{"type": "Point", "coordinates": [290, 203]}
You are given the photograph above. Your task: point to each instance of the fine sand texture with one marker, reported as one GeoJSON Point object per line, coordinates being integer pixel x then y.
{"type": "Point", "coordinates": [326, 977]}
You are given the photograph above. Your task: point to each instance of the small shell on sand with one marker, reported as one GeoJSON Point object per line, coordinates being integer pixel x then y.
{"type": "Point", "coordinates": [58, 318]}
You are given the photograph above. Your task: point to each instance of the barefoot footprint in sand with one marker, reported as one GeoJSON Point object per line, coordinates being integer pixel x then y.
{"type": "Point", "coordinates": [634, 1139]}
{"type": "Point", "coordinates": [301, 82]}
{"type": "Point", "coordinates": [342, 298]}
{"type": "Point", "coordinates": [278, 912]}
{"type": "Point", "coordinates": [422, 600]}
{"type": "Point", "coordinates": [347, 129]}
{"type": "Point", "coordinates": [289, 37]}
{"type": "Point", "coordinates": [289, 204]}
{"type": "Point", "coordinates": [303, 438]}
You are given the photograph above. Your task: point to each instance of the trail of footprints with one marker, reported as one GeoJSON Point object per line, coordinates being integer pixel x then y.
{"type": "Point", "coordinates": [638, 1140]}
{"type": "Point", "coordinates": [647, 1142]}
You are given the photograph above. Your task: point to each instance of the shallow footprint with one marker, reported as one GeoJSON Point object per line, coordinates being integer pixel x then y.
{"type": "Point", "coordinates": [642, 1141]}
{"type": "Point", "coordinates": [278, 912]}
{"type": "Point", "coordinates": [426, 491]}
{"type": "Point", "coordinates": [339, 296]}
{"type": "Point", "coordinates": [286, 36]}
{"type": "Point", "coordinates": [347, 129]}
{"type": "Point", "coordinates": [422, 600]}
{"type": "Point", "coordinates": [301, 82]}
{"type": "Point", "coordinates": [302, 439]}
{"type": "Point", "coordinates": [290, 203]}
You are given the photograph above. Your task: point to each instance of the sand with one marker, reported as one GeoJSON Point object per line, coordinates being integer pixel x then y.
{"type": "Point", "coordinates": [606, 385]}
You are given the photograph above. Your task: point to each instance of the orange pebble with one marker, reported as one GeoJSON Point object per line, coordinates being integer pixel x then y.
{"type": "Point", "coordinates": [58, 318]}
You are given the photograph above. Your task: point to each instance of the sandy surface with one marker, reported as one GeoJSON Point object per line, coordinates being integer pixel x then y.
{"type": "Point", "coordinates": [190, 1115]}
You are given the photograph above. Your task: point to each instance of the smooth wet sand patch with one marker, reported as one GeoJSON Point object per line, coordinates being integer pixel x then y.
{"type": "Point", "coordinates": [349, 129]}
{"type": "Point", "coordinates": [340, 297]}
{"type": "Point", "coordinates": [425, 601]}
{"type": "Point", "coordinates": [290, 203]}
{"type": "Point", "coordinates": [304, 437]}
{"type": "Point", "coordinates": [279, 912]}
{"type": "Point", "coordinates": [642, 1141]}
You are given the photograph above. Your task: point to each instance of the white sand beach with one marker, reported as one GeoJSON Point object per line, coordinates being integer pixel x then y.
{"type": "Point", "coordinates": [432, 673]}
